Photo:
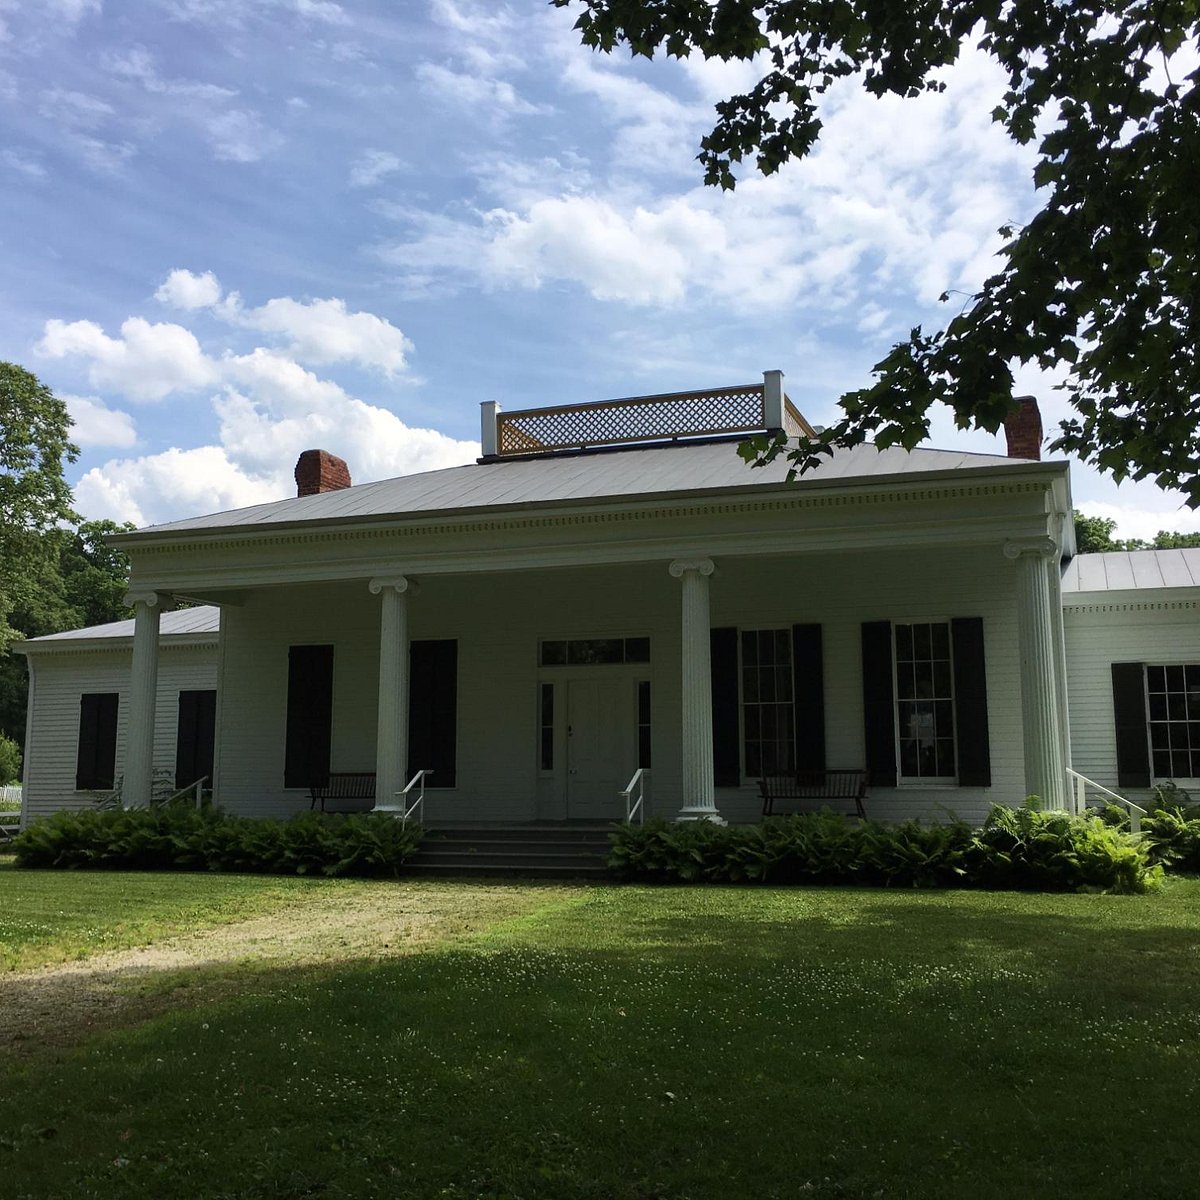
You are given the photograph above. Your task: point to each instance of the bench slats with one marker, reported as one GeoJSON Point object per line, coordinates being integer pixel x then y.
{"type": "Point", "coordinates": [831, 784]}
{"type": "Point", "coordinates": [344, 785]}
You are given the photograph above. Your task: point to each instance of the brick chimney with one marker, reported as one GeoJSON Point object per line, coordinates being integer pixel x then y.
{"type": "Point", "coordinates": [319, 471]}
{"type": "Point", "coordinates": [1023, 429]}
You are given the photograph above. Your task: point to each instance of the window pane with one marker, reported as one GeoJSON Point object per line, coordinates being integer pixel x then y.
{"type": "Point", "coordinates": [904, 645]}
{"type": "Point", "coordinates": [1174, 679]}
{"type": "Point", "coordinates": [637, 650]}
{"type": "Point", "coordinates": [554, 654]}
{"type": "Point", "coordinates": [1162, 763]}
{"type": "Point", "coordinates": [921, 642]}
{"type": "Point", "coordinates": [945, 756]}
{"type": "Point", "coordinates": [1156, 679]}
{"type": "Point", "coordinates": [941, 641]}
{"type": "Point", "coordinates": [1158, 706]}
{"type": "Point", "coordinates": [923, 674]}
{"type": "Point", "coordinates": [908, 757]}
{"type": "Point", "coordinates": [941, 679]}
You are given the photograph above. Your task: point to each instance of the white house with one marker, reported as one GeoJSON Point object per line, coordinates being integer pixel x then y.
{"type": "Point", "coordinates": [609, 588]}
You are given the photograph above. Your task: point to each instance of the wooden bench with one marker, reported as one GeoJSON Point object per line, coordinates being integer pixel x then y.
{"type": "Point", "coordinates": [350, 791]}
{"type": "Point", "coordinates": [10, 826]}
{"type": "Point", "coordinates": [818, 787]}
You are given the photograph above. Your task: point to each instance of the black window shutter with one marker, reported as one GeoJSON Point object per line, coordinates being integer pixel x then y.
{"type": "Point", "coordinates": [309, 716]}
{"type": "Point", "coordinates": [879, 702]}
{"type": "Point", "coordinates": [195, 737]}
{"type": "Point", "coordinates": [433, 711]}
{"type": "Point", "coordinates": [96, 760]}
{"type": "Point", "coordinates": [1129, 711]}
{"type": "Point", "coordinates": [727, 763]}
{"type": "Point", "coordinates": [970, 703]}
{"type": "Point", "coordinates": [808, 690]}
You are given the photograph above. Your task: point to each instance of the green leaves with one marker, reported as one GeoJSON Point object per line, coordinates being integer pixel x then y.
{"type": "Point", "coordinates": [176, 838]}
{"type": "Point", "coordinates": [1102, 280]}
{"type": "Point", "coordinates": [1016, 848]}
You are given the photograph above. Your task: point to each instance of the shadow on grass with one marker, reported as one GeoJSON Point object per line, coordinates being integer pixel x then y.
{"type": "Point", "coordinates": [866, 1044]}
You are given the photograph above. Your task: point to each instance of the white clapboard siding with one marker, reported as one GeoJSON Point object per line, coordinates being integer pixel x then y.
{"type": "Point", "coordinates": [498, 619]}
{"type": "Point", "coordinates": [61, 678]}
{"type": "Point", "coordinates": [1129, 627]}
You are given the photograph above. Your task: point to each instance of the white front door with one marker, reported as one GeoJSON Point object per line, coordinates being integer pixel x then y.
{"type": "Point", "coordinates": [601, 747]}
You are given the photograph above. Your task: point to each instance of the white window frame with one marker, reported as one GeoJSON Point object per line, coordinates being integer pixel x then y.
{"type": "Point", "coordinates": [744, 772]}
{"type": "Point", "coordinates": [1184, 781]}
{"type": "Point", "coordinates": [923, 781]}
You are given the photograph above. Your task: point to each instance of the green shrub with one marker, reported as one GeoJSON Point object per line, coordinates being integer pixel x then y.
{"type": "Point", "coordinates": [10, 760]}
{"type": "Point", "coordinates": [174, 838]}
{"type": "Point", "coordinates": [1016, 848]}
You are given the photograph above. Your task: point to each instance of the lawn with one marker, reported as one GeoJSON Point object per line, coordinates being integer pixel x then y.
{"type": "Point", "coordinates": [50, 916]}
{"type": "Point", "coordinates": [668, 1043]}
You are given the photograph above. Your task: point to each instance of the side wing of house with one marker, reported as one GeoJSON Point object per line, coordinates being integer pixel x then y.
{"type": "Point", "coordinates": [1132, 623]}
{"type": "Point", "coordinates": [76, 734]}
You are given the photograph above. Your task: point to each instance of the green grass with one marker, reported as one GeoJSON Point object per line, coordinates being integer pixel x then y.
{"type": "Point", "coordinates": [634, 1043]}
{"type": "Point", "coordinates": [53, 916]}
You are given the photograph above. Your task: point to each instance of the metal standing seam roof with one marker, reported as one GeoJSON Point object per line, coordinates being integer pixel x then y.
{"type": "Point", "coordinates": [1132, 570]}
{"type": "Point", "coordinates": [204, 618]}
{"type": "Point", "coordinates": [559, 478]}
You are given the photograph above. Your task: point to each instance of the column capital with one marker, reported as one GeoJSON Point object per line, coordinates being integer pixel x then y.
{"type": "Point", "coordinates": [680, 567]}
{"type": "Point", "coordinates": [395, 583]}
{"type": "Point", "coordinates": [1034, 547]}
{"type": "Point", "coordinates": [160, 600]}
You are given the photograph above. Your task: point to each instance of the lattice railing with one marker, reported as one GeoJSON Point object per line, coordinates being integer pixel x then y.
{"type": "Point", "coordinates": [636, 419]}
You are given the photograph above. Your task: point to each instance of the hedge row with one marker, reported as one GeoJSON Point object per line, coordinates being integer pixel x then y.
{"type": "Point", "coordinates": [174, 838]}
{"type": "Point", "coordinates": [1171, 830]}
{"type": "Point", "coordinates": [1016, 848]}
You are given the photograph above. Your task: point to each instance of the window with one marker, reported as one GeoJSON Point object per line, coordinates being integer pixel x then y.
{"type": "Point", "coordinates": [590, 652]}
{"type": "Point", "coordinates": [309, 716]}
{"type": "Point", "coordinates": [195, 737]}
{"type": "Point", "coordinates": [643, 723]}
{"type": "Point", "coordinates": [546, 726]}
{"type": "Point", "coordinates": [925, 701]}
{"type": "Point", "coordinates": [768, 711]}
{"type": "Point", "coordinates": [95, 763]}
{"type": "Point", "coordinates": [1173, 702]}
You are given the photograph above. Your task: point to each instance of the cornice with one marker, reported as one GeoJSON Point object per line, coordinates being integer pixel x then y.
{"type": "Point", "coordinates": [1118, 606]}
{"type": "Point", "coordinates": [625, 512]}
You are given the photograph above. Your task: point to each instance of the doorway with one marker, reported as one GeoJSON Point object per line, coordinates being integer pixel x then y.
{"type": "Point", "coordinates": [601, 745]}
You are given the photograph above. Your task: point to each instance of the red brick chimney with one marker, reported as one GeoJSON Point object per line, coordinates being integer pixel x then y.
{"type": "Point", "coordinates": [1023, 429]}
{"type": "Point", "coordinates": [320, 471]}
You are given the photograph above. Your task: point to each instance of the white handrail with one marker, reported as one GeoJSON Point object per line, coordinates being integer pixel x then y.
{"type": "Point", "coordinates": [197, 788]}
{"type": "Point", "coordinates": [638, 783]}
{"type": "Point", "coordinates": [404, 809]}
{"type": "Point", "coordinates": [1082, 783]}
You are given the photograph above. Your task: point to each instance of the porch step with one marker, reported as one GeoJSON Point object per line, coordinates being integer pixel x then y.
{"type": "Point", "coordinates": [548, 851]}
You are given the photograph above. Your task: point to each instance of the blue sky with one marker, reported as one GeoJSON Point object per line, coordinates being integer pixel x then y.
{"type": "Point", "coordinates": [233, 229]}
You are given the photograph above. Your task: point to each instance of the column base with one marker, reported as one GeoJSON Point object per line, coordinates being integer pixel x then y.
{"type": "Point", "coordinates": [699, 813]}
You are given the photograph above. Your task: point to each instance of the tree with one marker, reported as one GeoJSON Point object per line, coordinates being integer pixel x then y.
{"type": "Point", "coordinates": [1093, 535]}
{"type": "Point", "coordinates": [10, 760]}
{"type": "Point", "coordinates": [34, 494]}
{"type": "Point", "coordinates": [1102, 279]}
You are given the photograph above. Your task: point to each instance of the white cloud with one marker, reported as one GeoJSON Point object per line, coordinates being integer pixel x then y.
{"type": "Point", "coordinates": [72, 11]}
{"type": "Point", "coordinates": [323, 331]}
{"type": "Point", "coordinates": [105, 157]}
{"type": "Point", "coordinates": [183, 289]}
{"type": "Point", "coordinates": [31, 168]}
{"type": "Point", "coordinates": [95, 424]}
{"type": "Point", "coordinates": [74, 110]}
{"type": "Point", "coordinates": [371, 166]}
{"type": "Point", "coordinates": [239, 135]}
{"type": "Point", "coordinates": [147, 362]}
{"type": "Point", "coordinates": [496, 97]}
{"type": "Point", "coordinates": [267, 406]}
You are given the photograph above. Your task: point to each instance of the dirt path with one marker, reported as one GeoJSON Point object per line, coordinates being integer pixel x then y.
{"type": "Point", "coordinates": [60, 1005]}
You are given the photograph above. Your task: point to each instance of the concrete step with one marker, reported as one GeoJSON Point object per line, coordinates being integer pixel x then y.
{"type": "Point", "coordinates": [552, 849]}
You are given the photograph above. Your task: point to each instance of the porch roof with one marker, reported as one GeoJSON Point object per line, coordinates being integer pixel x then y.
{"type": "Point", "coordinates": [1132, 570]}
{"type": "Point", "coordinates": [699, 467]}
{"type": "Point", "coordinates": [193, 623]}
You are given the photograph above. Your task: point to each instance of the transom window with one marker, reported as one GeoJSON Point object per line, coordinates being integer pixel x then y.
{"type": "Point", "coordinates": [589, 652]}
{"type": "Point", "coordinates": [925, 701]}
{"type": "Point", "coordinates": [768, 709]}
{"type": "Point", "coordinates": [1173, 696]}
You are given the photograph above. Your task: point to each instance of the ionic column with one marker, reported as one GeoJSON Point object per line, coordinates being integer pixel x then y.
{"type": "Point", "coordinates": [391, 745]}
{"type": "Point", "coordinates": [1045, 770]}
{"type": "Point", "coordinates": [138, 784]}
{"type": "Point", "coordinates": [696, 707]}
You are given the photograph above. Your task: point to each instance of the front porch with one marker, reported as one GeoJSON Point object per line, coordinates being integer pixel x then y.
{"type": "Point", "coordinates": [535, 695]}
